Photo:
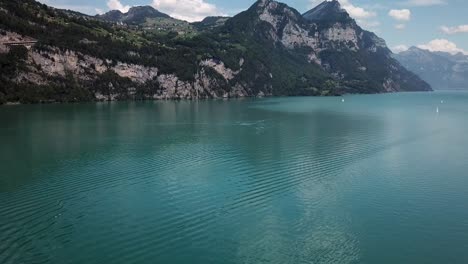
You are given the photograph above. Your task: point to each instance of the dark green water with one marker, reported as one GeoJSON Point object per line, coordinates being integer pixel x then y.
{"type": "Point", "coordinates": [374, 179]}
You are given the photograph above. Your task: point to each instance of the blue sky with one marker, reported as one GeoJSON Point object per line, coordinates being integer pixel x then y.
{"type": "Point", "coordinates": [430, 24]}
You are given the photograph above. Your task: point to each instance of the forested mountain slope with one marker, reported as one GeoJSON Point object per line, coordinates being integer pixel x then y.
{"type": "Point", "coordinates": [269, 49]}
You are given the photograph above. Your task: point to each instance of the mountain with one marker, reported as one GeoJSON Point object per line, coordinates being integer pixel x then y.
{"type": "Point", "coordinates": [268, 50]}
{"type": "Point", "coordinates": [112, 16]}
{"type": "Point", "coordinates": [135, 15]}
{"type": "Point", "coordinates": [147, 18]}
{"type": "Point", "coordinates": [442, 70]}
{"type": "Point", "coordinates": [326, 36]}
{"type": "Point", "coordinates": [328, 11]}
{"type": "Point", "coordinates": [211, 22]}
{"type": "Point", "coordinates": [359, 57]}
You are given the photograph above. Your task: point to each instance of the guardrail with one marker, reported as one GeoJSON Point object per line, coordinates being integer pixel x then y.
{"type": "Point", "coordinates": [19, 43]}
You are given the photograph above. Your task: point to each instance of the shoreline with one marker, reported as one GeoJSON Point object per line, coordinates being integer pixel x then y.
{"type": "Point", "coordinates": [168, 99]}
{"type": "Point", "coordinates": [224, 99]}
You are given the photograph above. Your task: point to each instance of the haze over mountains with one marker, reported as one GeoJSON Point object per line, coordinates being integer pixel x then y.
{"type": "Point", "coordinates": [269, 49]}
{"type": "Point", "coordinates": [442, 70]}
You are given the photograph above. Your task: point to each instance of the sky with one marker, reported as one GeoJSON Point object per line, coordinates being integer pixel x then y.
{"type": "Point", "coordinates": [436, 25]}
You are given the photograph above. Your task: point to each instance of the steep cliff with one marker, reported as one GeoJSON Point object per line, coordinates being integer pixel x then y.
{"type": "Point", "coordinates": [357, 60]}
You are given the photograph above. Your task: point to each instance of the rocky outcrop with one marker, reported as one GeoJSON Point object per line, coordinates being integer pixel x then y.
{"type": "Point", "coordinates": [343, 34]}
{"type": "Point", "coordinates": [220, 68]}
{"type": "Point", "coordinates": [54, 62]}
{"type": "Point", "coordinates": [203, 87]}
{"type": "Point", "coordinates": [294, 30]}
{"type": "Point", "coordinates": [136, 73]}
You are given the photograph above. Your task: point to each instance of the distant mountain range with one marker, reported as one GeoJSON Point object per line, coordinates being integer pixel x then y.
{"type": "Point", "coordinates": [443, 71]}
{"type": "Point", "coordinates": [268, 50]}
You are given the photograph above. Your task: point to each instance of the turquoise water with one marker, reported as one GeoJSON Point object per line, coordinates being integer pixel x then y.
{"type": "Point", "coordinates": [373, 179]}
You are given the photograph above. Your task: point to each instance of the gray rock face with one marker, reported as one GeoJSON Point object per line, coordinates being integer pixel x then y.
{"type": "Point", "coordinates": [203, 87]}
{"type": "Point", "coordinates": [315, 29]}
{"type": "Point", "coordinates": [83, 67]}
{"type": "Point", "coordinates": [136, 73]}
{"type": "Point", "coordinates": [220, 68]}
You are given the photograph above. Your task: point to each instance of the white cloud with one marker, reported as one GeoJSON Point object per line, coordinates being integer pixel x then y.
{"type": "Point", "coordinates": [400, 48]}
{"type": "Point", "coordinates": [117, 5]}
{"type": "Point", "coordinates": [364, 17]}
{"type": "Point", "coordinates": [442, 45]}
{"type": "Point", "coordinates": [400, 26]}
{"type": "Point", "coordinates": [424, 2]}
{"type": "Point", "coordinates": [189, 10]}
{"type": "Point", "coordinates": [400, 14]}
{"type": "Point", "coordinates": [455, 30]}
{"type": "Point", "coordinates": [99, 11]}
{"type": "Point", "coordinates": [355, 11]}
{"type": "Point", "coordinates": [369, 23]}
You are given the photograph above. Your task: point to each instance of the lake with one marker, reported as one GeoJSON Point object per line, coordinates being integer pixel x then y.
{"type": "Point", "coordinates": [371, 179]}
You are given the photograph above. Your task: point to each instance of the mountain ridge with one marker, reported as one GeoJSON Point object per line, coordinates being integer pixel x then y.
{"type": "Point", "coordinates": [269, 49]}
{"type": "Point", "coordinates": [135, 15]}
{"type": "Point", "coordinates": [328, 11]}
{"type": "Point", "coordinates": [358, 59]}
{"type": "Point", "coordinates": [440, 69]}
